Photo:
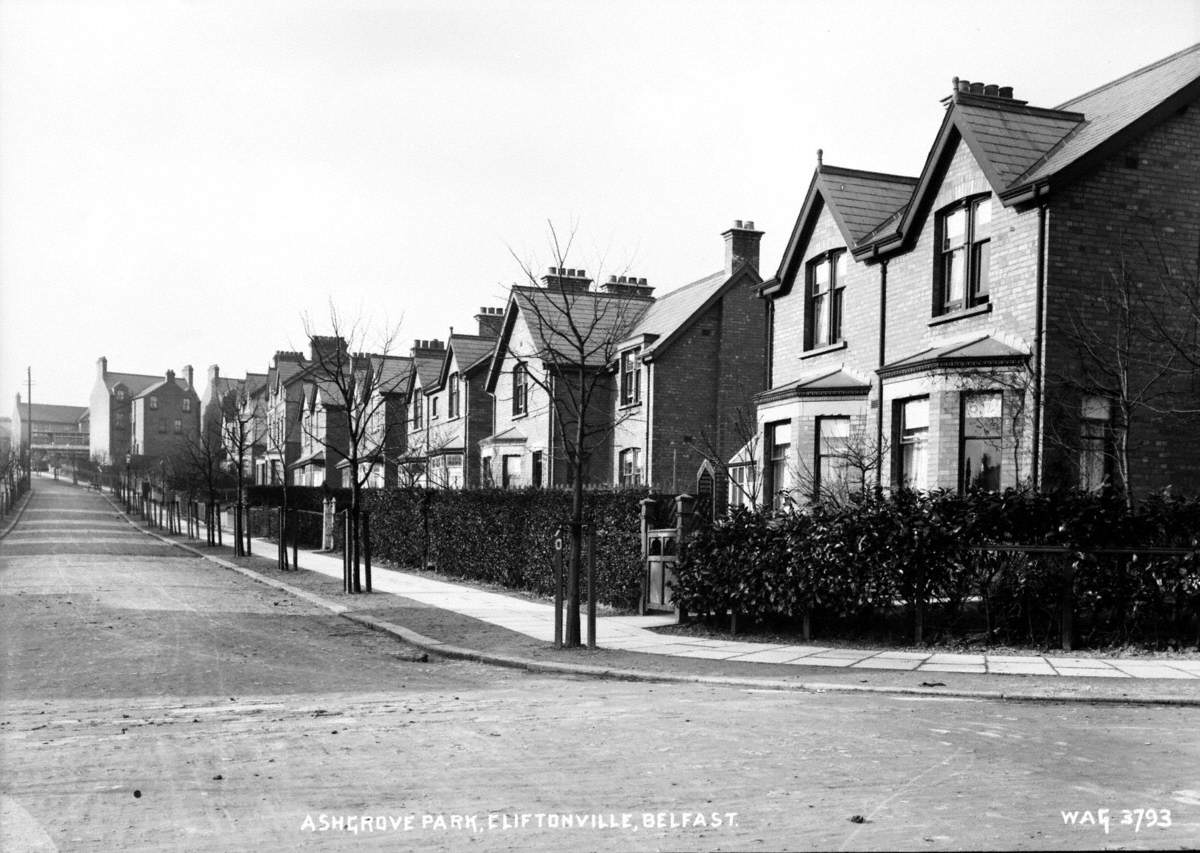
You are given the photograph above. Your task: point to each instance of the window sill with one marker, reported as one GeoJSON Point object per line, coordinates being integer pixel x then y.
{"type": "Point", "coordinates": [624, 407]}
{"type": "Point", "coordinates": [813, 353]}
{"type": "Point", "coordinates": [985, 308]}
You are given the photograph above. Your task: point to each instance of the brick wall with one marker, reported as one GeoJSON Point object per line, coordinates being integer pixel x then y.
{"type": "Point", "coordinates": [1140, 209]}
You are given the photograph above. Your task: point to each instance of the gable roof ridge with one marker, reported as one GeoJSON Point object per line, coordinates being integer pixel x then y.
{"type": "Point", "coordinates": [1137, 72]}
{"type": "Point", "coordinates": [867, 173]}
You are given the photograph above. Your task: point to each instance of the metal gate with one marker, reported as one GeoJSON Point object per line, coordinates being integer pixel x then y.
{"type": "Point", "coordinates": [662, 555]}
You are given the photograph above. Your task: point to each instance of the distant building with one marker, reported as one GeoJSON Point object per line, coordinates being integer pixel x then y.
{"type": "Point", "coordinates": [111, 411]}
{"type": "Point", "coordinates": [165, 417]}
{"type": "Point", "coordinates": [59, 433]}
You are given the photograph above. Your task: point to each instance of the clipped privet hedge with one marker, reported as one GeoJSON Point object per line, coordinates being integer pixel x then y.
{"type": "Point", "coordinates": [928, 563]}
{"type": "Point", "coordinates": [506, 537]}
{"type": "Point", "coordinates": [309, 498]}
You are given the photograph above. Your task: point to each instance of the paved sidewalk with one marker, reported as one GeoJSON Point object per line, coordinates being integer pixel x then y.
{"type": "Point", "coordinates": [630, 633]}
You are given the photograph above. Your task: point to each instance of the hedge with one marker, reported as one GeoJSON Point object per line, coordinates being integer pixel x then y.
{"type": "Point", "coordinates": [506, 537]}
{"type": "Point", "coordinates": [920, 562]}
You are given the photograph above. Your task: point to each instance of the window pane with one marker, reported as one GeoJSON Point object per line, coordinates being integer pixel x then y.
{"type": "Point", "coordinates": [912, 462]}
{"type": "Point", "coordinates": [982, 406]}
{"type": "Point", "coordinates": [821, 277]}
{"type": "Point", "coordinates": [981, 270]}
{"type": "Point", "coordinates": [953, 278]}
{"type": "Point", "coordinates": [983, 218]}
{"type": "Point", "coordinates": [981, 464]}
{"type": "Point", "coordinates": [832, 428]}
{"type": "Point", "coordinates": [835, 319]}
{"type": "Point", "coordinates": [1096, 408]}
{"type": "Point", "coordinates": [843, 262]}
{"type": "Point", "coordinates": [954, 230]}
{"type": "Point", "coordinates": [915, 413]}
{"type": "Point", "coordinates": [820, 321]}
{"type": "Point", "coordinates": [781, 437]}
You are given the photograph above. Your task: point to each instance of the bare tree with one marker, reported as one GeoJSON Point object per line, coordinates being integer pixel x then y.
{"type": "Point", "coordinates": [571, 355]}
{"type": "Point", "coordinates": [242, 428]}
{"type": "Point", "coordinates": [853, 461]}
{"type": "Point", "coordinates": [360, 387]}
{"type": "Point", "coordinates": [1121, 354]}
{"type": "Point", "coordinates": [1016, 384]}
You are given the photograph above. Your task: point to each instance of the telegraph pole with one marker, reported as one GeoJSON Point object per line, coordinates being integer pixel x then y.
{"type": "Point", "coordinates": [29, 420]}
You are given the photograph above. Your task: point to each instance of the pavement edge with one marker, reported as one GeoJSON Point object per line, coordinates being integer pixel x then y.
{"type": "Point", "coordinates": [448, 650]}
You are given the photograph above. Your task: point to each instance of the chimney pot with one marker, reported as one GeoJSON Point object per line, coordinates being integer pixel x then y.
{"type": "Point", "coordinates": [642, 282]}
{"type": "Point", "coordinates": [964, 85]}
{"type": "Point", "coordinates": [1005, 92]}
{"type": "Point", "coordinates": [991, 90]}
{"type": "Point", "coordinates": [976, 88]}
{"type": "Point", "coordinates": [737, 223]}
{"type": "Point", "coordinates": [582, 273]}
{"type": "Point", "coordinates": [612, 279]}
{"type": "Point", "coordinates": [749, 224]}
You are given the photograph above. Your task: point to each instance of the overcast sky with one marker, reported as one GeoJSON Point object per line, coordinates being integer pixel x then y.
{"type": "Point", "coordinates": [181, 181]}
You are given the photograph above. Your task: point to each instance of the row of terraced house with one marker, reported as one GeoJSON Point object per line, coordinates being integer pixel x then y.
{"type": "Point", "coordinates": [958, 327]}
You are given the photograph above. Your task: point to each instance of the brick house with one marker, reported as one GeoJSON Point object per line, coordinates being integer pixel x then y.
{"type": "Point", "coordinates": [283, 394]}
{"type": "Point", "coordinates": [426, 435]}
{"type": "Point", "coordinates": [164, 417]}
{"type": "Point", "coordinates": [323, 435]}
{"type": "Point", "coordinates": [110, 411]}
{"type": "Point", "coordinates": [687, 373]}
{"type": "Point", "coordinates": [458, 409]}
{"type": "Point", "coordinates": [669, 375]}
{"type": "Point", "coordinates": [925, 331]}
{"type": "Point", "coordinates": [383, 442]}
{"type": "Point", "coordinates": [229, 405]}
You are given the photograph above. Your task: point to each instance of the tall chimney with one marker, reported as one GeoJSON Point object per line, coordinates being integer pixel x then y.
{"type": "Point", "coordinates": [489, 320]}
{"type": "Point", "coordinates": [170, 376]}
{"type": "Point", "coordinates": [102, 366]}
{"type": "Point", "coordinates": [189, 375]}
{"type": "Point", "coordinates": [741, 246]}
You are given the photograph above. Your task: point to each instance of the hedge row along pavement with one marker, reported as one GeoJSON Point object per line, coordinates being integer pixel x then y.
{"type": "Point", "coordinates": [507, 537]}
{"type": "Point", "coordinates": [905, 564]}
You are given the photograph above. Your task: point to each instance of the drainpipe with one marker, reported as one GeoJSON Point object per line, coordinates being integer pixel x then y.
{"type": "Point", "coordinates": [1039, 345]}
{"type": "Point", "coordinates": [648, 462]}
{"type": "Point", "coordinates": [883, 267]}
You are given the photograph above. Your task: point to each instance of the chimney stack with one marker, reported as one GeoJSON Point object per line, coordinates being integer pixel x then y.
{"type": "Point", "coordinates": [489, 320]}
{"type": "Point", "coordinates": [169, 376]}
{"type": "Point", "coordinates": [189, 375]}
{"type": "Point", "coordinates": [102, 366]}
{"type": "Point", "coordinates": [566, 280]}
{"type": "Point", "coordinates": [627, 286]}
{"type": "Point", "coordinates": [980, 90]}
{"type": "Point", "coordinates": [741, 246]}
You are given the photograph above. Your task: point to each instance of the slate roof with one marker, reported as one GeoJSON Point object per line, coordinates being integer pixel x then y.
{"type": "Point", "coordinates": [145, 392]}
{"type": "Point", "coordinates": [471, 349]}
{"type": "Point", "coordinates": [829, 382]}
{"type": "Point", "coordinates": [599, 319]}
{"type": "Point", "coordinates": [134, 382]}
{"type": "Point", "coordinates": [860, 200]}
{"type": "Point", "coordinates": [428, 368]}
{"type": "Point", "coordinates": [54, 413]}
{"type": "Point", "coordinates": [1114, 106]}
{"type": "Point", "coordinates": [392, 372]}
{"type": "Point", "coordinates": [982, 349]}
{"type": "Point", "coordinates": [672, 310]}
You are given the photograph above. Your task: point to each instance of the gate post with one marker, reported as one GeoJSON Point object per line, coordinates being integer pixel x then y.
{"type": "Point", "coordinates": [647, 509]}
{"type": "Point", "coordinates": [684, 505]}
{"type": "Point", "coordinates": [327, 525]}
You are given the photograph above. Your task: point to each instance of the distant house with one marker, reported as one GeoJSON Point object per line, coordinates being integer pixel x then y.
{"type": "Point", "coordinates": [110, 413]}
{"type": "Point", "coordinates": [165, 417]}
{"type": "Point", "coordinates": [382, 436]}
{"type": "Point", "coordinates": [56, 435]}
{"type": "Point", "coordinates": [458, 407]}
{"type": "Point", "coordinates": [230, 407]}
{"type": "Point", "coordinates": [322, 435]}
{"type": "Point", "coordinates": [283, 395]}
{"type": "Point", "coordinates": [425, 436]}
{"type": "Point", "coordinates": [670, 376]}
{"type": "Point", "coordinates": [926, 330]}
